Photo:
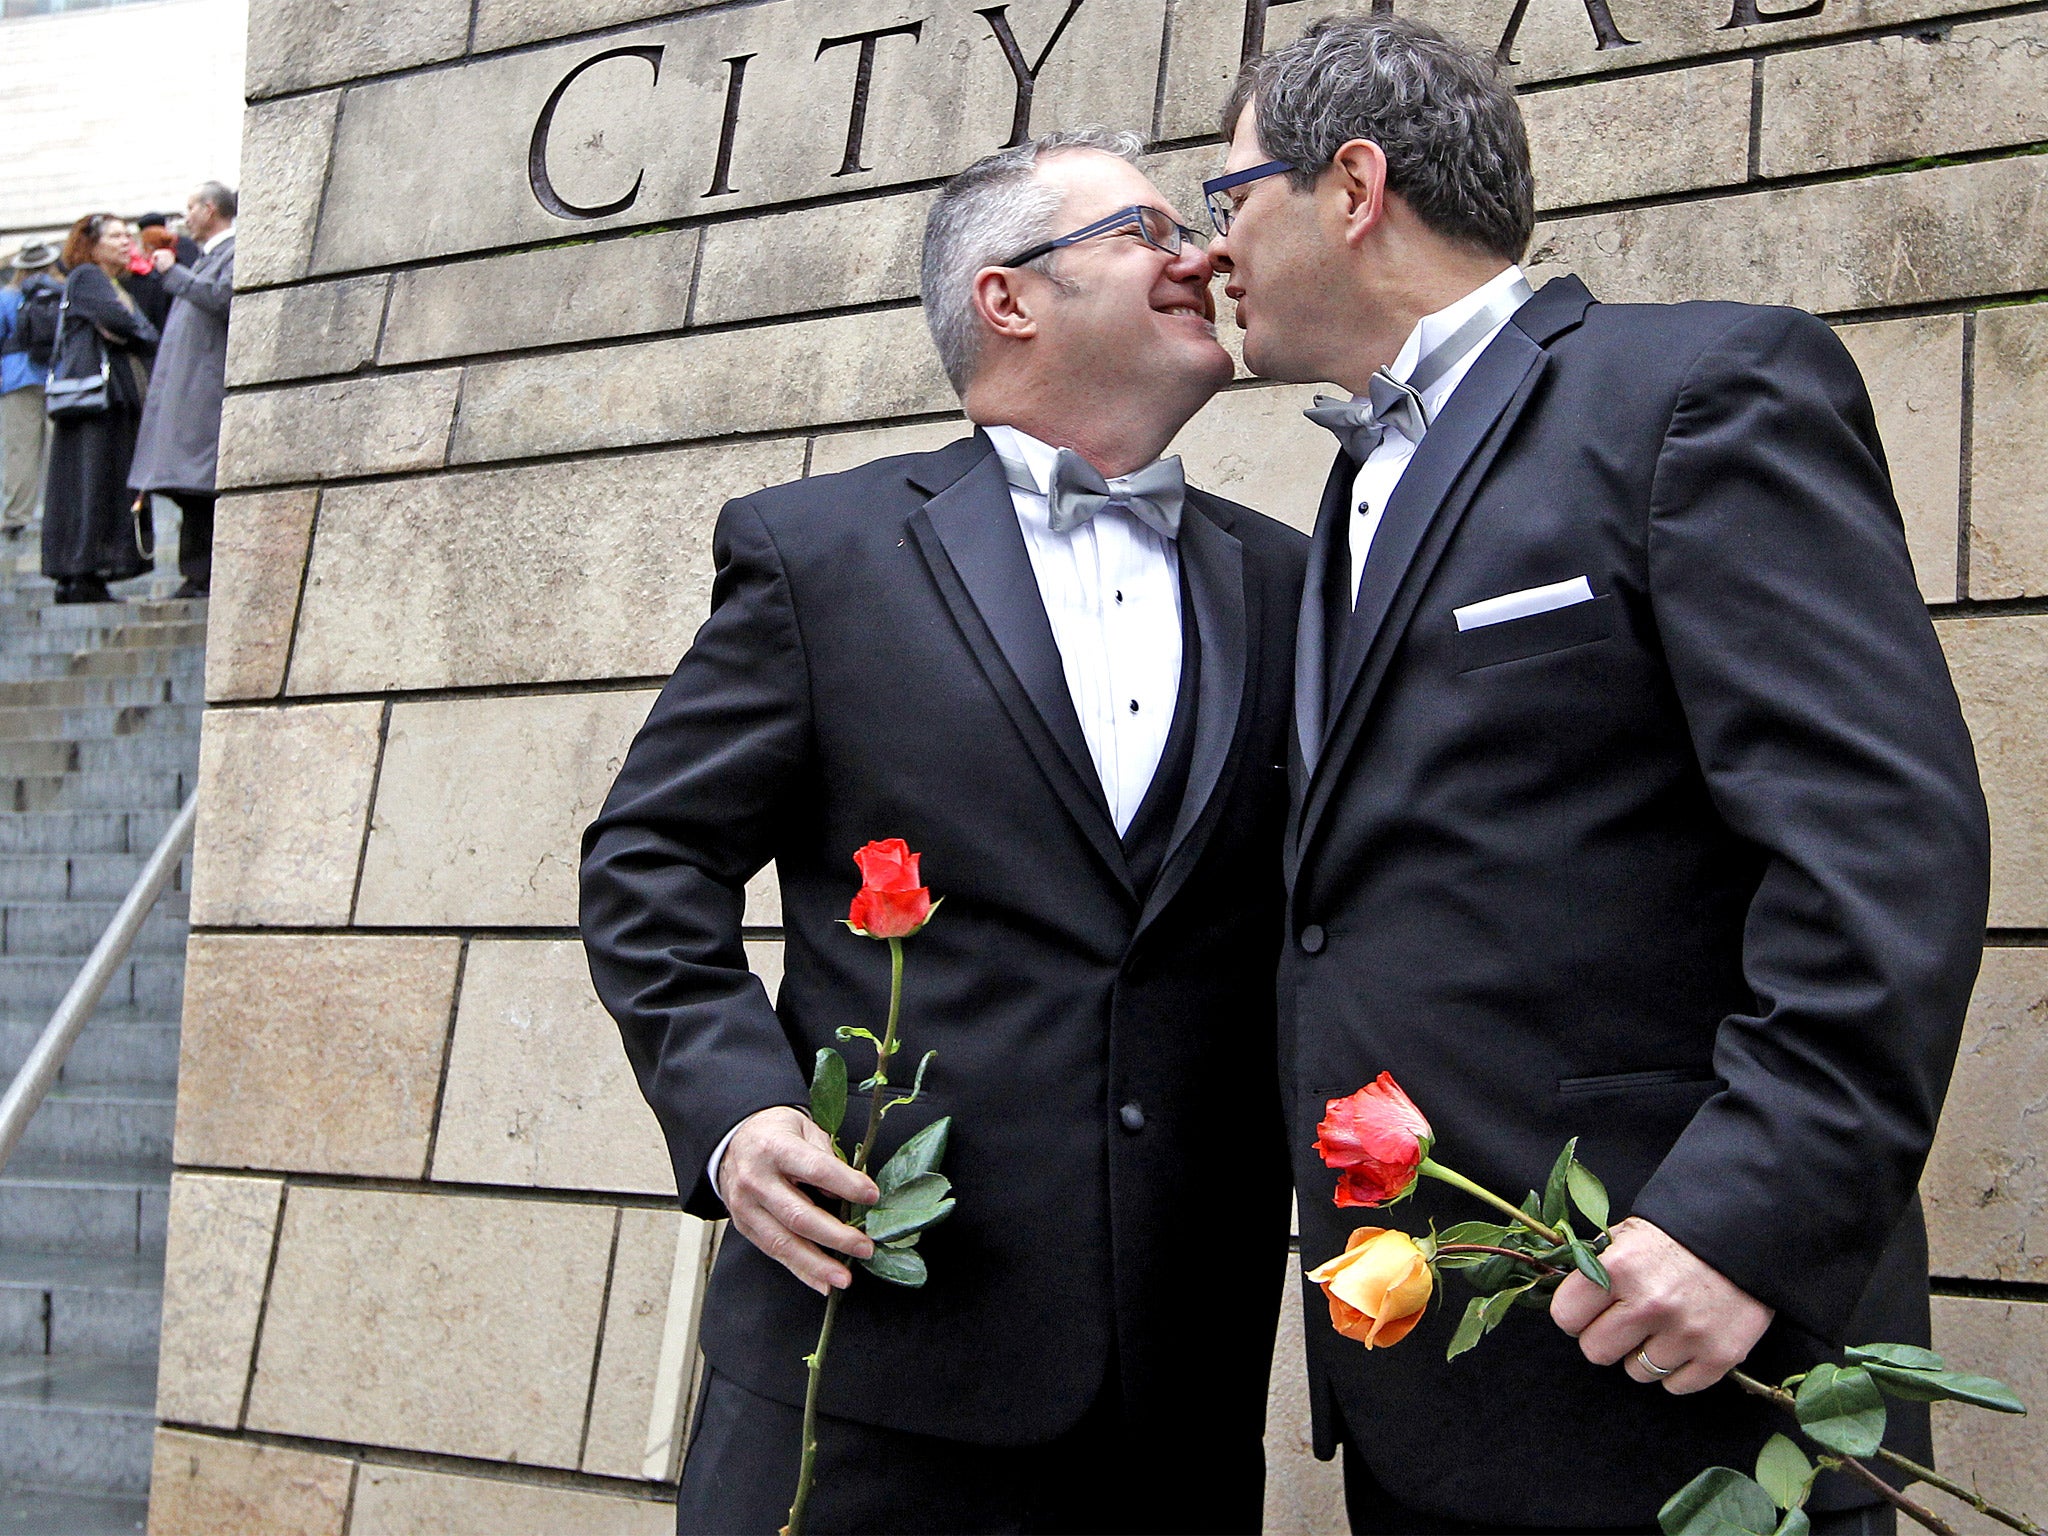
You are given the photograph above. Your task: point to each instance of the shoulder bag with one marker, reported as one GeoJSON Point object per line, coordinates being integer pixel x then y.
{"type": "Point", "coordinates": [74, 399]}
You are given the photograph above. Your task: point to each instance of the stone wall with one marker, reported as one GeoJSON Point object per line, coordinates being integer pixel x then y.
{"type": "Point", "coordinates": [530, 289]}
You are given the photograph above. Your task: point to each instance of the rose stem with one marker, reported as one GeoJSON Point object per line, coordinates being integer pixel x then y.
{"type": "Point", "coordinates": [1457, 1180]}
{"type": "Point", "coordinates": [815, 1360]}
{"type": "Point", "coordinates": [1927, 1475]}
{"type": "Point", "coordinates": [1506, 1253]}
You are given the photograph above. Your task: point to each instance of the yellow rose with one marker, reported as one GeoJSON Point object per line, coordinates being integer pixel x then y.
{"type": "Point", "coordinates": [1378, 1287]}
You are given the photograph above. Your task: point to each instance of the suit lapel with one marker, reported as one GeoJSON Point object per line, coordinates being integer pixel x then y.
{"type": "Point", "coordinates": [1311, 680]}
{"type": "Point", "coordinates": [1214, 562]}
{"type": "Point", "coordinates": [968, 535]}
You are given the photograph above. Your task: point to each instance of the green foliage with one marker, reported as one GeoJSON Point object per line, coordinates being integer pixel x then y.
{"type": "Point", "coordinates": [898, 1266]}
{"type": "Point", "coordinates": [1719, 1502]}
{"type": "Point", "coordinates": [1555, 1188]}
{"type": "Point", "coordinates": [1482, 1315]}
{"type": "Point", "coordinates": [909, 1208]}
{"type": "Point", "coordinates": [828, 1091]}
{"type": "Point", "coordinates": [1840, 1407]}
{"type": "Point", "coordinates": [1588, 1264]}
{"type": "Point", "coordinates": [1783, 1472]}
{"type": "Point", "coordinates": [919, 1155]}
{"type": "Point", "coordinates": [1588, 1194]}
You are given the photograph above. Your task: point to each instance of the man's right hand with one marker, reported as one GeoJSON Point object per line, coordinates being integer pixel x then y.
{"type": "Point", "coordinates": [772, 1157]}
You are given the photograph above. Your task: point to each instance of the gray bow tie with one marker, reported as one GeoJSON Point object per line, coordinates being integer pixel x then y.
{"type": "Point", "coordinates": [1152, 495]}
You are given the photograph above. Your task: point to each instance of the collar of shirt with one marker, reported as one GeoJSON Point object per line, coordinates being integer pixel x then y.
{"type": "Point", "coordinates": [1036, 457]}
{"type": "Point", "coordinates": [1431, 330]}
{"type": "Point", "coordinates": [206, 247]}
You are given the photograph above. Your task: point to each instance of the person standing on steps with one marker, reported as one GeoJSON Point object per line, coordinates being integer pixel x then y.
{"type": "Point", "coordinates": [28, 333]}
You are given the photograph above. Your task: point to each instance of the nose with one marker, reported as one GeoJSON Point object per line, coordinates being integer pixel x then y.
{"type": "Point", "coordinates": [1190, 264]}
{"type": "Point", "coordinates": [1219, 254]}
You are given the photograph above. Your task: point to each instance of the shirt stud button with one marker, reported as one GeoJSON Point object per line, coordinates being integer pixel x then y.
{"type": "Point", "coordinates": [1134, 706]}
{"type": "Point", "coordinates": [1119, 595]}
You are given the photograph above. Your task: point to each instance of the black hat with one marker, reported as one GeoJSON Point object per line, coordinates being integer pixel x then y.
{"type": "Point", "coordinates": [37, 253]}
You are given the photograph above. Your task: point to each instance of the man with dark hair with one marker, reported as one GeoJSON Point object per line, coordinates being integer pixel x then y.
{"type": "Point", "coordinates": [1063, 677]}
{"type": "Point", "coordinates": [1632, 801]}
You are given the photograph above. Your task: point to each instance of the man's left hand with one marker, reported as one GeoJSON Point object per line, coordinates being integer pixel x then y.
{"type": "Point", "coordinates": [1692, 1322]}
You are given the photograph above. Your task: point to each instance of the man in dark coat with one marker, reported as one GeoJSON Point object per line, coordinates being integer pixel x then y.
{"type": "Point", "coordinates": [1063, 679]}
{"type": "Point", "coordinates": [1632, 801]}
{"type": "Point", "coordinates": [177, 451]}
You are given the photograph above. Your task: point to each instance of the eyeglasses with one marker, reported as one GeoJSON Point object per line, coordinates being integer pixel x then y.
{"type": "Point", "coordinates": [1222, 208]}
{"type": "Point", "coordinates": [1152, 225]}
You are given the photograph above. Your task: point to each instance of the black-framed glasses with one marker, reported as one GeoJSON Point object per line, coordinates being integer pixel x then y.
{"type": "Point", "coordinates": [1223, 209]}
{"type": "Point", "coordinates": [1154, 226]}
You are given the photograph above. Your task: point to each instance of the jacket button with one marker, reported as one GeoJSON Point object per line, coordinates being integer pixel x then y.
{"type": "Point", "coordinates": [1133, 1118]}
{"type": "Point", "coordinates": [1312, 938]}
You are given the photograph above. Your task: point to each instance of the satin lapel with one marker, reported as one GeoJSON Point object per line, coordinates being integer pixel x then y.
{"type": "Point", "coordinates": [969, 537]}
{"type": "Point", "coordinates": [1328, 544]}
{"type": "Point", "coordinates": [1214, 562]}
{"type": "Point", "coordinates": [1418, 524]}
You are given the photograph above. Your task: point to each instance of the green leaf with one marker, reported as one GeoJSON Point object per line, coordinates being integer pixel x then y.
{"type": "Point", "coordinates": [910, 1207]}
{"type": "Point", "coordinates": [1907, 1357]}
{"type": "Point", "coordinates": [828, 1091]}
{"type": "Point", "coordinates": [1949, 1386]}
{"type": "Point", "coordinates": [1491, 1273]}
{"type": "Point", "coordinates": [1719, 1500]}
{"type": "Point", "coordinates": [1842, 1409]}
{"type": "Point", "coordinates": [1472, 1232]}
{"type": "Point", "coordinates": [916, 1086]}
{"type": "Point", "coordinates": [1588, 1264]}
{"type": "Point", "coordinates": [1471, 1328]}
{"type": "Point", "coordinates": [853, 1032]}
{"type": "Point", "coordinates": [918, 1155]}
{"type": "Point", "coordinates": [1795, 1523]}
{"type": "Point", "coordinates": [1588, 1194]}
{"type": "Point", "coordinates": [1495, 1307]}
{"type": "Point", "coordinates": [1783, 1472]}
{"type": "Point", "coordinates": [898, 1266]}
{"type": "Point", "coordinates": [1554, 1188]}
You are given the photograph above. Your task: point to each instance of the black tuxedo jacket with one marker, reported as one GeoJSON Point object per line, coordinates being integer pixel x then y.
{"type": "Point", "coordinates": [1695, 871]}
{"type": "Point", "coordinates": [878, 664]}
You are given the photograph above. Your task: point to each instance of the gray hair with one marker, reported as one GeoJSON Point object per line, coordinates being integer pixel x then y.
{"type": "Point", "coordinates": [1456, 150]}
{"type": "Point", "coordinates": [221, 198]}
{"type": "Point", "coordinates": [986, 214]}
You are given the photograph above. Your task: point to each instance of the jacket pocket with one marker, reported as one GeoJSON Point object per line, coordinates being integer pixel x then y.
{"type": "Point", "coordinates": [1538, 634]}
{"type": "Point", "coordinates": [1638, 1082]}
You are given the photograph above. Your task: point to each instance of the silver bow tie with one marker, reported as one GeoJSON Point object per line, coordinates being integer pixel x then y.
{"type": "Point", "coordinates": [1152, 495]}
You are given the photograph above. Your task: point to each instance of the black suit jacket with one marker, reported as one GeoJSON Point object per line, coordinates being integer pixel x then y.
{"type": "Point", "coordinates": [1695, 871]}
{"type": "Point", "coordinates": [878, 664]}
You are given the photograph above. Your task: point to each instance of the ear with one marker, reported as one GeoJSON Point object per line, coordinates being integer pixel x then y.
{"type": "Point", "coordinates": [1358, 177]}
{"type": "Point", "coordinates": [1000, 299]}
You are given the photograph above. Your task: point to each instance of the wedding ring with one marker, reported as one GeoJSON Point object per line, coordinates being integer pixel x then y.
{"type": "Point", "coordinates": [1652, 1367]}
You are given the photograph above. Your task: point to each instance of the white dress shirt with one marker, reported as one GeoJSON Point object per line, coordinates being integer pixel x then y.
{"type": "Point", "coordinates": [1373, 486]}
{"type": "Point", "coordinates": [208, 246]}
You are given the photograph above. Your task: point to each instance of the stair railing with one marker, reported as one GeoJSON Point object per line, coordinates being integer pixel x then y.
{"type": "Point", "coordinates": [38, 1074]}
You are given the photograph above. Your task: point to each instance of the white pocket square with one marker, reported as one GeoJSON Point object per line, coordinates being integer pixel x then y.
{"type": "Point", "coordinates": [1519, 605]}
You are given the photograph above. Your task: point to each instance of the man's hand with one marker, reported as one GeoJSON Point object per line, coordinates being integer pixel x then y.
{"type": "Point", "coordinates": [1690, 1320]}
{"type": "Point", "coordinates": [164, 259]}
{"type": "Point", "coordinates": [772, 1153]}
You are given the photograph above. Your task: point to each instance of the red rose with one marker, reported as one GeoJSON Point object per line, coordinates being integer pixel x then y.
{"type": "Point", "coordinates": [1375, 1139]}
{"type": "Point", "coordinates": [890, 903]}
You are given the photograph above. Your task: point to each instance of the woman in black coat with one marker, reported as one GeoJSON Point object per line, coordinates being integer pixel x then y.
{"type": "Point", "coordinates": [89, 533]}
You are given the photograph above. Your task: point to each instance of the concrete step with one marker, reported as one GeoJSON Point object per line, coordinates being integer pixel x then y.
{"type": "Point", "coordinates": [77, 1303]}
{"type": "Point", "coordinates": [77, 1423]}
{"type": "Point", "coordinates": [35, 640]}
{"type": "Point", "coordinates": [69, 692]}
{"type": "Point", "coordinates": [95, 616]}
{"type": "Point", "coordinates": [118, 1045]}
{"type": "Point", "coordinates": [114, 1210]}
{"type": "Point", "coordinates": [157, 661]}
{"type": "Point", "coordinates": [123, 754]}
{"type": "Point", "coordinates": [97, 1122]}
{"type": "Point", "coordinates": [78, 877]}
{"type": "Point", "coordinates": [68, 928]}
{"type": "Point", "coordinates": [113, 791]}
{"type": "Point", "coordinates": [45, 1512]}
{"type": "Point", "coordinates": [31, 982]}
{"type": "Point", "coordinates": [83, 832]}
{"type": "Point", "coordinates": [101, 721]}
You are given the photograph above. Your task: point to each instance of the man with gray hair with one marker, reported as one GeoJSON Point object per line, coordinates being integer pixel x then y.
{"type": "Point", "coordinates": [1632, 802]}
{"type": "Point", "coordinates": [1062, 676]}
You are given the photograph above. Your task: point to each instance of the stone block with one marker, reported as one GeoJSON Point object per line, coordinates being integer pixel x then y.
{"type": "Point", "coordinates": [2004, 1458]}
{"type": "Point", "coordinates": [286, 148]}
{"type": "Point", "coordinates": [835, 451]}
{"type": "Point", "coordinates": [2008, 458]}
{"type": "Point", "coordinates": [1986, 1186]}
{"type": "Point", "coordinates": [284, 794]}
{"type": "Point", "coordinates": [1914, 371]}
{"type": "Point", "coordinates": [1997, 665]}
{"type": "Point", "coordinates": [1882, 241]}
{"type": "Point", "coordinates": [650, 132]}
{"type": "Point", "coordinates": [204, 1485]}
{"type": "Point", "coordinates": [215, 1264]}
{"type": "Point", "coordinates": [482, 803]}
{"type": "Point", "coordinates": [294, 44]}
{"type": "Point", "coordinates": [409, 1501]}
{"type": "Point", "coordinates": [302, 332]}
{"type": "Point", "coordinates": [433, 1322]}
{"type": "Point", "coordinates": [259, 558]}
{"type": "Point", "coordinates": [563, 293]}
{"type": "Point", "coordinates": [787, 263]}
{"type": "Point", "coordinates": [539, 1089]}
{"type": "Point", "coordinates": [504, 23]}
{"type": "Point", "coordinates": [1254, 446]}
{"type": "Point", "coordinates": [365, 426]}
{"type": "Point", "coordinates": [1613, 139]}
{"type": "Point", "coordinates": [595, 568]}
{"type": "Point", "coordinates": [1304, 1497]}
{"type": "Point", "coordinates": [317, 1054]}
{"type": "Point", "coordinates": [1931, 91]}
{"type": "Point", "coordinates": [806, 373]}
{"type": "Point", "coordinates": [638, 1405]}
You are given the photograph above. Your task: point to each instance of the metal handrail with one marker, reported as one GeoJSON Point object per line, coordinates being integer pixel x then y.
{"type": "Point", "coordinates": [38, 1074]}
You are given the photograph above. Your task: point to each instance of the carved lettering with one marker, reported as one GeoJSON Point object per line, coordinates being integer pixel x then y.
{"type": "Point", "coordinates": [863, 76]}
{"type": "Point", "coordinates": [1027, 74]}
{"type": "Point", "coordinates": [1750, 13]}
{"type": "Point", "coordinates": [537, 149]}
{"type": "Point", "coordinates": [1605, 33]}
{"type": "Point", "coordinates": [735, 80]}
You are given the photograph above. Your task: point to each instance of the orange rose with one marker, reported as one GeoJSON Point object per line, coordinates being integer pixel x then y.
{"type": "Point", "coordinates": [1378, 1287]}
